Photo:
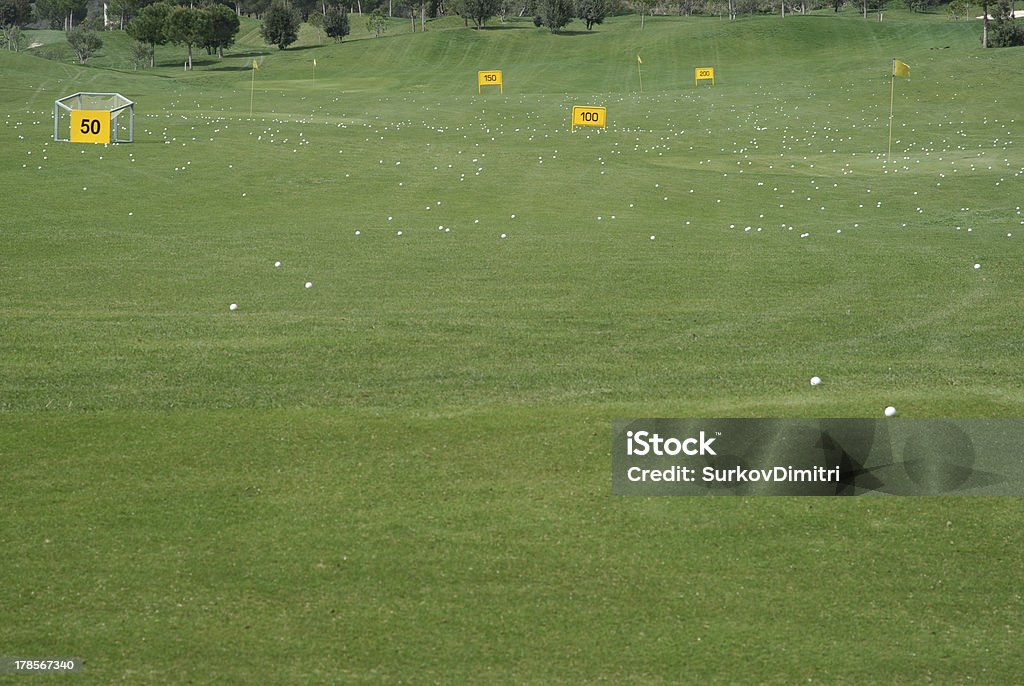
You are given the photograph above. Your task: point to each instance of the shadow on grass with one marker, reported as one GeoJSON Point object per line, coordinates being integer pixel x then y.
{"type": "Point", "coordinates": [251, 53]}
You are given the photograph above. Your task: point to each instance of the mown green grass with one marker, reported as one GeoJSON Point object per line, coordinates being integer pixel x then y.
{"type": "Point", "coordinates": [402, 473]}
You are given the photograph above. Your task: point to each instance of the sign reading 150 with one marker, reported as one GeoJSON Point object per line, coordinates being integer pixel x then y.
{"type": "Point", "coordinates": [90, 126]}
{"type": "Point", "coordinates": [491, 77]}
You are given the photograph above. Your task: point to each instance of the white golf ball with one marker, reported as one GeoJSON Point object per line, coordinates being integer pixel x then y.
{"type": "Point", "coordinates": [233, 306]}
{"type": "Point", "coordinates": [277, 264]}
{"type": "Point", "coordinates": [652, 238]}
{"type": "Point", "coordinates": [815, 380]}
{"type": "Point", "coordinates": [504, 235]}
{"type": "Point", "coordinates": [890, 411]}
{"type": "Point", "coordinates": [977, 266]}
{"type": "Point", "coordinates": [309, 284]}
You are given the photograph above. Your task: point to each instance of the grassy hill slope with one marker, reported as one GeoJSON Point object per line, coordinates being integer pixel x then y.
{"type": "Point", "coordinates": [401, 474]}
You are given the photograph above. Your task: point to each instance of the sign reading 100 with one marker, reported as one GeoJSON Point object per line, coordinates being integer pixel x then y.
{"type": "Point", "coordinates": [90, 126]}
{"type": "Point", "coordinates": [589, 116]}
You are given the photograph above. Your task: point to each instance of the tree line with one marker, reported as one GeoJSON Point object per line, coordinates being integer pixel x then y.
{"type": "Point", "coordinates": [212, 28]}
{"type": "Point", "coordinates": [213, 24]}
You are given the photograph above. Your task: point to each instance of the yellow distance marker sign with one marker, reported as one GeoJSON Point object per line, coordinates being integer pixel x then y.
{"type": "Point", "coordinates": [703, 74]}
{"type": "Point", "coordinates": [589, 116]}
{"type": "Point", "coordinates": [90, 126]}
{"type": "Point", "coordinates": [491, 77]}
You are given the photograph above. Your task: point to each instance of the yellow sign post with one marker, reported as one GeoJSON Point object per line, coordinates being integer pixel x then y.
{"type": "Point", "coordinates": [491, 77]}
{"type": "Point", "coordinates": [90, 126]}
{"type": "Point", "coordinates": [703, 74]}
{"type": "Point", "coordinates": [588, 116]}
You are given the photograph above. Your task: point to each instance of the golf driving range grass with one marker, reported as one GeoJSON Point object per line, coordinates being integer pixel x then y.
{"type": "Point", "coordinates": [401, 474]}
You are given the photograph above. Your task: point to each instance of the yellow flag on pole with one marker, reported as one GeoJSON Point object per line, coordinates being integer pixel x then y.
{"type": "Point", "coordinates": [638, 60]}
{"type": "Point", "coordinates": [900, 68]}
{"type": "Point", "coordinates": [314, 61]}
{"type": "Point", "coordinates": [254, 65]}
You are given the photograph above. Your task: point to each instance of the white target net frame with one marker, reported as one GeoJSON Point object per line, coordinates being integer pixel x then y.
{"type": "Point", "coordinates": [121, 109]}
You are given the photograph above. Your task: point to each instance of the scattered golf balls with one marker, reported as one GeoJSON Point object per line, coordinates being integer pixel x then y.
{"type": "Point", "coordinates": [890, 411]}
{"type": "Point", "coordinates": [309, 284]}
{"type": "Point", "coordinates": [233, 306]}
{"type": "Point", "coordinates": [815, 380]}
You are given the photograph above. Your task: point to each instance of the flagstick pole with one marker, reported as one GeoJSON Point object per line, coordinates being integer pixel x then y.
{"type": "Point", "coordinates": [640, 74]}
{"type": "Point", "coordinates": [892, 94]}
{"type": "Point", "coordinates": [252, 90]}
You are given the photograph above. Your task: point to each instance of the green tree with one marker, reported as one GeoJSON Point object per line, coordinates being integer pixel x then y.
{"type": "Point", "coordinates": [555, 14]}
{"type": "Point", "coordinates": [687, 7]}
{"type": "Point", "coordinates": [1004, 32]}
{"type": "Point", "coordinates": [420, 7]}
{"type": "Point", "coordinates": [84, 42]}
{"type": "Point", "coordinates": [336, 23]}
{"type": "Point", "coordinates": [304, 8]}
{"type": "Point", "coordinates": [223, 27]}
{"type": "Point", "coordinates": [148, 27]}
{"type": "Point", "coordinates": [316, 20]}
{"type": "Point", "coordinates": [280, 25]}
{"type": "Point", "coordinates": [257, 8]}
{"type": "Point", "coordinates": [188, 27]}
{"type": "Point", "coordinates": [646, 5]}
{"type": "Point", "coordinates": [377, 23]}
{"type": "Point", "coordinates": [124, 10]}
{"type": "Point", "coordinates": [61, 14]}
{"type": "Point", "coordinates": [958, 9]}
{"type": "Point", "coordinates": [14, 14]}
{"type": "Point", "coordinates": [12, 38]}
{"type": "Point", "coordinates": [984, 23]}
{"type": "Point", "coordinates": [479, 10]}
{"type": "Point", "coordinates": [591, 11]}
{"type": "Point", "coordinates": [140, 52]}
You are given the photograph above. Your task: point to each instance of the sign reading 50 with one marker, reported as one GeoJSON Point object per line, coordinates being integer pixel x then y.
{"type": "Point", "coordinates": [90, 126]}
